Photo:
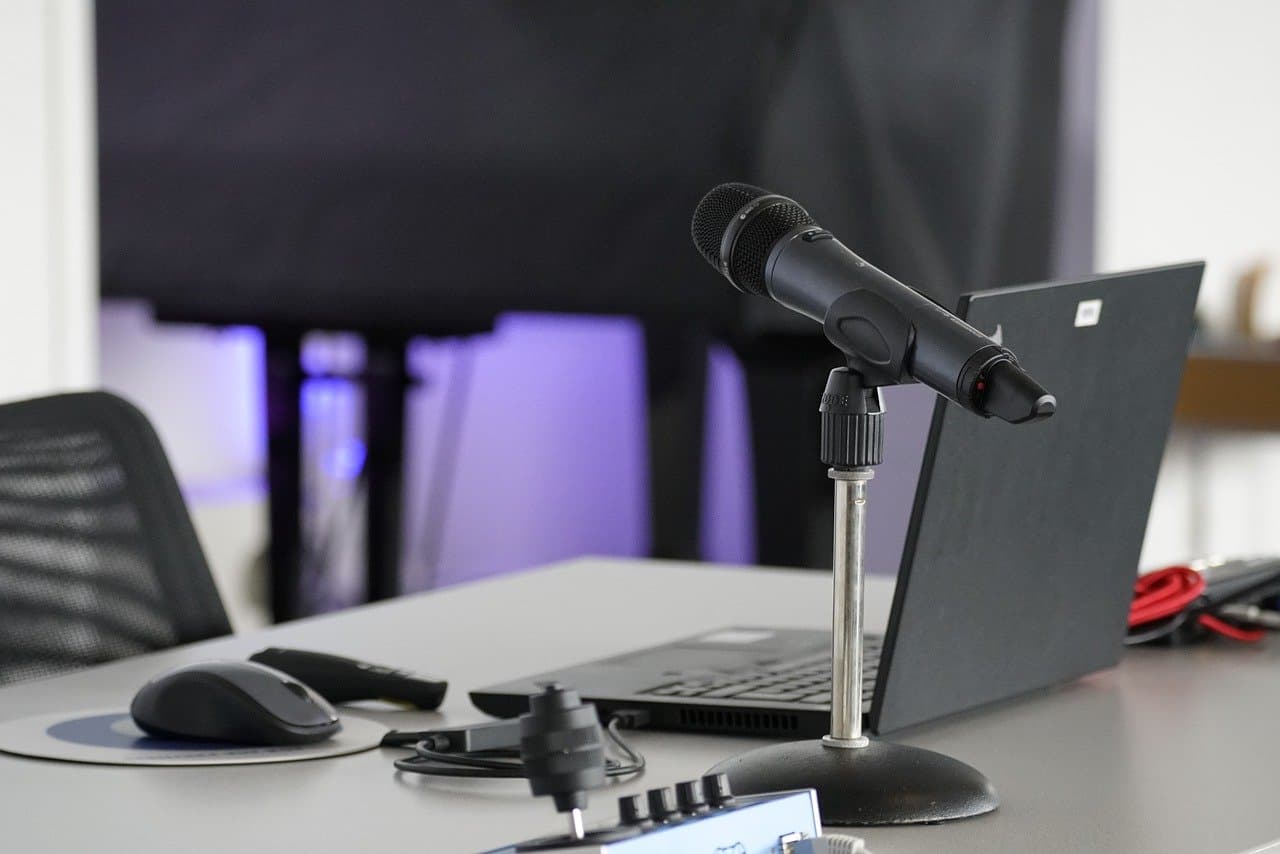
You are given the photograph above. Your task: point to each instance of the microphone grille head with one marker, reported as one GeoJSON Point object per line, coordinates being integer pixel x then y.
{"type": "Point", "coordinates": [751, 247]}
{"type": "Point", "coordinates": [755, 242]}
{"type": "Point", "coordinates": [714, 213]}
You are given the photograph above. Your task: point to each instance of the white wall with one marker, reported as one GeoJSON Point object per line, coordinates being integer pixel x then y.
{"type": "Point", "coordinates": [1189, 167]}
{"type": "Point", "coordinates": [1190, 138]}
{"type": "Point", "coordinates": [201, 389]}
{"type": "Point", "coordinates": [48, 207]}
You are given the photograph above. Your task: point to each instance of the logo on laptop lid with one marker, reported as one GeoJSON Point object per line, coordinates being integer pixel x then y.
{"type": "Point", "coordinates": [1088, 312]}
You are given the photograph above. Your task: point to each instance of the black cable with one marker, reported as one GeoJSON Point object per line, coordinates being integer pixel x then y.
{"type": "Point", "coordinates": [429, 758]}
{"type": "Point", "coordinates": [1155, 631]}
{"type": "Point", "coordinates": [636, 757]}
{"type": "Point", "coordinates": [491, 764]}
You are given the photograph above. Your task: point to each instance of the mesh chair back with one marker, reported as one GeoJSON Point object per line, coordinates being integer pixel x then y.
{"type": "Point", "coordinates": [98, 557]}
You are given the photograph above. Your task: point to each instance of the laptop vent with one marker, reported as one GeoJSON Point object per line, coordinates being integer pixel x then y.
{"type": "Point", "coordinates": [733, 721]}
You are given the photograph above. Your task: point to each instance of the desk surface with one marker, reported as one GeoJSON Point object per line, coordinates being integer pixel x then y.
{"type": "Point", "coordinates": [1170, 752]}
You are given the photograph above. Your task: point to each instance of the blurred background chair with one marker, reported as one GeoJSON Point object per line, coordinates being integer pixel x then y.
{"type": "Point", "coordinates": [98, 557]}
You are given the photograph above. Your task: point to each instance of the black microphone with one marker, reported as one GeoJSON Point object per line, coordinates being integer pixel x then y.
{"type": "Point", "coordinates": [766, 244]}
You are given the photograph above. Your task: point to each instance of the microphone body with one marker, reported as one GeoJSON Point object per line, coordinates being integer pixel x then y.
{"type": "Point", "coordinates": [811, 272]}
{"type": "Point", "coordinates": [889, 332]}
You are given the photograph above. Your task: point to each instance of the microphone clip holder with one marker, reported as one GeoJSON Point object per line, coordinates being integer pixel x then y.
{"type": "Point", "coordinates": [859, 781]}
{"type": "Point", "coordinates": [873, 334]}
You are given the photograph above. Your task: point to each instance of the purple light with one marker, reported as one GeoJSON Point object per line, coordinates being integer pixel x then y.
{"type": "Point", "coordinates": [345, 461]}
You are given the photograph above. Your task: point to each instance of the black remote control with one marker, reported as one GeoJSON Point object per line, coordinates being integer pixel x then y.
{"type": "Point", "coordinates": [341, 680]}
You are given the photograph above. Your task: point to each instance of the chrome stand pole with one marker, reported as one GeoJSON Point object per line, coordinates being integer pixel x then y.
{"type": "Point", "coordinates": [850, 532]}
{"type": "Point", "coordinates": [858, 780]}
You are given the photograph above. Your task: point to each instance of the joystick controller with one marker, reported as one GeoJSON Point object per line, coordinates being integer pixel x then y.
{"type": "Point", "coordinates": [562, 748]}
{"type": "Point", "coordinates": [563, 751]}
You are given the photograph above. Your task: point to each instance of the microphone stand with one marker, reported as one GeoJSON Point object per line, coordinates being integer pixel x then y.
{"type": "Point", "coordinates": [859, 781]}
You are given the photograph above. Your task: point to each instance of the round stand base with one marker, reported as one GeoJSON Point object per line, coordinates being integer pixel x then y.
{"type": "Point", "coordinates": [882, 783]}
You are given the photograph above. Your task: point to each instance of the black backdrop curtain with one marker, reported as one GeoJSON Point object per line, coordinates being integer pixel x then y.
{"type": "Point", "coordinates": [423, 166]}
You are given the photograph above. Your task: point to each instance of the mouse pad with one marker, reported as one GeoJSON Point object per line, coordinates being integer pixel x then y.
{"type": "Point", "coordinates": [110, 737]}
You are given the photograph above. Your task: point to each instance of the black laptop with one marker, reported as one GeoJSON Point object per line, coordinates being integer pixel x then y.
{"type": "Point", "coordinates": [1020, 553]}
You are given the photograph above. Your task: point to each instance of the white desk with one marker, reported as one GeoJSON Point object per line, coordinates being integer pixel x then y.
{"type": "Point", "coordinates": [1174, 751]}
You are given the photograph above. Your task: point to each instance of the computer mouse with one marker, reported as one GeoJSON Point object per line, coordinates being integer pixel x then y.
{"type": "Point", "coordinates": [233, 701]}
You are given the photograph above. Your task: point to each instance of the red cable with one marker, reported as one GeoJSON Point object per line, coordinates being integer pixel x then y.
{"type": "Point", "coordinates": [1222, 627]}
{"type": "Point", "coordinates": [1166, 592]}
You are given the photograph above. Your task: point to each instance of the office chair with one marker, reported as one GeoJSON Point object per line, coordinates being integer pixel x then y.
{"type": "Point", "coordinates": [98, 557]}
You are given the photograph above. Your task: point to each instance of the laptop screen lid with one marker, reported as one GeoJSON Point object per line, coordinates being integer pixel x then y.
{"type": "Point", "coordinates": [1023, 542]}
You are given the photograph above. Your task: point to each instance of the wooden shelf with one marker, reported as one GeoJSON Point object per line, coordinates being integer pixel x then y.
{"type": "Point", "coordinates": [1236, 389]}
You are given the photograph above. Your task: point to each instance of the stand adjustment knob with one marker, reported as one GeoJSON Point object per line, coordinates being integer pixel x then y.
{"type": "Point", "coordinates": [717, 791]}
{"type": "Point", "coordinates": [689, 797]}
{"type": "Point", "coordinates": [852, 418]}
{"type": "Point", "coordinates": [633, 811]}
{"type": "Point", "coordinates": [662, 804]}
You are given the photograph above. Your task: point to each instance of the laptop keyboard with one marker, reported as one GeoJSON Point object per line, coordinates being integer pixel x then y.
{"type": "Point", "coordinates": [806, 681]}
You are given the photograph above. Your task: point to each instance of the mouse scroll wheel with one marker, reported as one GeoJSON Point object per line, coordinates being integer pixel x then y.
{"type": "Point", "coordinates": [298, 689]}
